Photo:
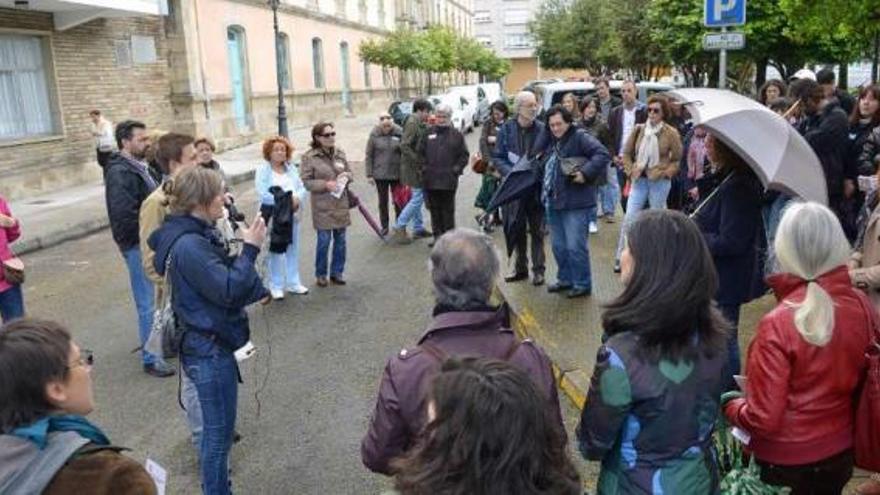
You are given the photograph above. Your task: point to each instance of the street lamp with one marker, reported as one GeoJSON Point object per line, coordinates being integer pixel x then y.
{"type": "Point", "coordinates": [279, 70]}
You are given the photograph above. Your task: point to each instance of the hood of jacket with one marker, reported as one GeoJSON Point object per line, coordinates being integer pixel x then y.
{"type": "Point", "coordinates": [175, 226]}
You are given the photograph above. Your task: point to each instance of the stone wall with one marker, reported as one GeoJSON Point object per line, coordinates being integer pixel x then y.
{"type": "Point", "coordinates": [86, 76]}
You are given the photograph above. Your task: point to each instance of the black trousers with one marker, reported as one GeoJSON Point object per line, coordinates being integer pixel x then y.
{"type": "Point", "coordinates": [383, 187]}
{"type": "Point", "coordinates": [441, 205]}
{"type": "Point", "coordinates": [826, 477]}
{"type": "Point", "coordinates": [532, 236]}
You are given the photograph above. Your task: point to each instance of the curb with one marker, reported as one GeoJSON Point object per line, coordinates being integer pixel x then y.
{"type": "Point", "coordinates": [527, 327]}
{"type": "Point", "coordinates": [91, 226]}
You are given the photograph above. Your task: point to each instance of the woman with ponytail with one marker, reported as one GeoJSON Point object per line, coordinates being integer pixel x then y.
{"type": "Point", "coordinates": [807, 359]}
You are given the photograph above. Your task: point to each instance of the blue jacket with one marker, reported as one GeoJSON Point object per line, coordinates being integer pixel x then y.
{"type": "Point", "coordinates": [209, 289]}
{"type": "Point", "coordinates": [263, 181]}
{"type": "Point", "coordinates": [509, 144]}
{"type": "Point", "coordinates": [730, 221]}
{"type": "Point", "coordinates": [578, 143]}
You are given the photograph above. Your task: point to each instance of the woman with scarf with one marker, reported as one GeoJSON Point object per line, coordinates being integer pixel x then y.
{"type": "Point", "coordinates": [651, 158]}
{"type": "Point", "coordinates": [730, 220]}
{"type": "Point", "coordinates": [47, 445]}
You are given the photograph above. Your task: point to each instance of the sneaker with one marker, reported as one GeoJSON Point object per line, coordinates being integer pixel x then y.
{"type": "Point", "coordinates": [398, 236]}
{"type": "Point", "coordinates": [277, 294]}
{"type": "Point", "coordinates": [422, 234]}
{"type": "Point", "coordinates": [159, 369]}
{"type": "Point", "coordinates": [594, 228]}
{"type": "Point", "coordinates": [299, 290]}
{"type": "Point", "coordinates": [322, 281]}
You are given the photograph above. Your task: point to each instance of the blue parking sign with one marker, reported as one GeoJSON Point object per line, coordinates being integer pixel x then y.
{"type": "Point", "coordinates": [719, 13]}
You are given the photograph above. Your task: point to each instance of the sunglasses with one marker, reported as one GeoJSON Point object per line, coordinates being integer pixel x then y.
{"type": "Point", "coordinates": [654, 110]}
{"type": "Point", "coordinates": [86, 358]}
{"type": "Point", "coordinates": [328, 135]}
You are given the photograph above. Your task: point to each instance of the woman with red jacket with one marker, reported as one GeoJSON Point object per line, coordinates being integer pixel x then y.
{"type": "Point", "coordinates": [807, 359]}
{"type": "Point", "coordinates": [11, 299]}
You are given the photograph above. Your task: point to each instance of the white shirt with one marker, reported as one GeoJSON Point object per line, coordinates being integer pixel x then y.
{"type": "Point", "coordinates": [284, 181]}
{"type": "Point", "coordinates": [103, 134]}
{"type": "Point", "coordinates": [629, 122]}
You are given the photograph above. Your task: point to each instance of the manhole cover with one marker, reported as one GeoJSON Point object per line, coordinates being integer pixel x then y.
{"type": "Point", "coordinates": [40, 202]}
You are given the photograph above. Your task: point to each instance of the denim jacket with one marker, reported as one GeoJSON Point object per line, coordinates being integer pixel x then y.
{"type": "Point", "coordinates": [263, 181]}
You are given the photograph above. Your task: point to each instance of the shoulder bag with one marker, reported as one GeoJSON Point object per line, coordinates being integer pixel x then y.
{"type": "Point", "coordinates": [13, 271]}
{"type": "Point", "coordinates": [867, 421]}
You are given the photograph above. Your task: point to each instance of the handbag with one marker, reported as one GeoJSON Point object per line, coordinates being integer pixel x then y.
{"type": "Point", "coordinates": [400, 194]}
{"type": "Point", "coordinates": [571, 165]}
{"type": "Point", "coordinates": [480, 166]}
{"type": "Point", "coordinates": [164, 339]}
{"type": "Point", "coordinates": [867, 421]}
{"type": "Point", "coordinates": [13, 271]}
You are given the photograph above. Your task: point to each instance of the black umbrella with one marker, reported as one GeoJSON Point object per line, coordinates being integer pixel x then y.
{"type": "Point", "coordinates": [520, 182]}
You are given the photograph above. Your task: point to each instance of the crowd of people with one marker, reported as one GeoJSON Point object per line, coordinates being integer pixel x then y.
{"type": "Point", "coordinates": [471, 407]}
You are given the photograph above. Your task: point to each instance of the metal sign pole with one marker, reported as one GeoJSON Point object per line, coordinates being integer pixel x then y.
{"type": "Point", "coordinates": [722, 65]}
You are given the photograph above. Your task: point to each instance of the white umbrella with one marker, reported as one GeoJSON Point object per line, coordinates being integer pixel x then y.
{"type": "Point", "coordinates": [780, 156]}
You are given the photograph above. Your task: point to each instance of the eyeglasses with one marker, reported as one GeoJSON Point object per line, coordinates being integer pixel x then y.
{"type": "Point", "coordinates": [86, 358]}
{"type": "Point", "coordinates": [329, 134]}
{"type": "Point", "coordinates": [654, 110]}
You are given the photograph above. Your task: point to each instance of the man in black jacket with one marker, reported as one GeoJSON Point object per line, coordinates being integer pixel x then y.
{"type": "Point", "coordinates": [446, 156]}
{"type": "Point", "coordinates": [825, 126]}
{"type": "Point", "coordinates": [127, 185]}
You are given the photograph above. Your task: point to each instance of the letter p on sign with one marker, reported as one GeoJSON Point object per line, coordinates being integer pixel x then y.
{"type": "Point", "coordinates": [719, 13]}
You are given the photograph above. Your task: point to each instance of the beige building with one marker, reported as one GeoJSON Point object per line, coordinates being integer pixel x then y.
{"type": "Point", "coordinates": [59, 59]}
{"type": "Point", "coordinates": [204, 67]}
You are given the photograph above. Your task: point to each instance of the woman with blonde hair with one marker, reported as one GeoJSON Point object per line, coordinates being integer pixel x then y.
{"type": "Point", "coordinates": [807, 359]}
{"type": "Point", "coordinates": [570, 103]}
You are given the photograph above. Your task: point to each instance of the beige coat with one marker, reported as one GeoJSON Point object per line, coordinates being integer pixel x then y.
{"type": "Point", "coordinates": [670, 152]}
{"type": "Point", "coordinates": [316, 169]}
{"type": "Point", "coordinates": [152, 216]}
{"type": "Point", "coordinates": [865, 264]}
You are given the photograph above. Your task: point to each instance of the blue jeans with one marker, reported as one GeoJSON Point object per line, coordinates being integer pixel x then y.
{"type": "Point", "coordinates": [568, 237]}
{"type": "Point", "coordinates": [142, 290]}
{"type": "Point", "coordinates": [731, 313]}
{"type": "Point", "coordinates": [189, 396]}
{"type": "Point", "coordinates": [11, 303]}
{"type": "Point", "coordinates": [412, 212]}
{"type": "Point", "coordinates": [284, 267]}
{"type": "Point", "coordinates": [215, 377]}
{"type": "Point", "coordinates": [609, 193]}
{"type": "Point", "coordinates": [643, 193]}
{"type": "Point", "coordinates": [337, 265]}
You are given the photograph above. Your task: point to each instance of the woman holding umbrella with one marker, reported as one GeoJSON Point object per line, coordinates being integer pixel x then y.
{"type": "Point", "coordinates": [326, 174]}
{"type": "Point", "coordinates": [730, 220]}
{"type": "Point", "coordinates": [491, 175]}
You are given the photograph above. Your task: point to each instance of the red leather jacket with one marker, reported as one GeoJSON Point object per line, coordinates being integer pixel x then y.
{"type": "Point", "coordinates": [799, 404]}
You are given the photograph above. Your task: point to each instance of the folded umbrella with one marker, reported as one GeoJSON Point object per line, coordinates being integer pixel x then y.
{"type": "Point", "coordinates": [355, 202]}
{"type": "Point", "coordinates": [521, 181]}
{"type": "Point", "coordinates": [775, 151]}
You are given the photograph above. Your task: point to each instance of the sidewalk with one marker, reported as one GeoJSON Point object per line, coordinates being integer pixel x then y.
{"type": "Point", "coordinates": [50, 219]}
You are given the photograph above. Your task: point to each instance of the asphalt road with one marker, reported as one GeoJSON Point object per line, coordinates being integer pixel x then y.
{"type": "Point", "coordinates": [309, 390]}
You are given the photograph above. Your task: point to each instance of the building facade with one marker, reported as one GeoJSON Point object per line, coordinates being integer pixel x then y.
{"type": "Point", "coordinates": [503, 26]}
{"type": "Point", "coordinates": [58, 61]}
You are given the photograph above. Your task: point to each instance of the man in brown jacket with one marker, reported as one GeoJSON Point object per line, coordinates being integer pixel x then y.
{"type": "Point", "coordinates": [464, 269]}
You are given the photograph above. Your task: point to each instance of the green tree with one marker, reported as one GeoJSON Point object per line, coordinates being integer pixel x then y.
{"type": "Point", "coordinates": [575, 35]}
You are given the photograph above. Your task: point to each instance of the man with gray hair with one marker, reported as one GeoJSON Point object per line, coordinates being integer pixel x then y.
{"type": "Point", "coordinates": [464, 269]}
{"type": "Point", "coordinates": [446, 156]}
{"type": "Point", "coordinates": [523, 136]}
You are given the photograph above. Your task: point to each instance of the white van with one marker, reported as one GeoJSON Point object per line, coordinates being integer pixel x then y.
{"type": "Point", "coordinates": [462, 111]}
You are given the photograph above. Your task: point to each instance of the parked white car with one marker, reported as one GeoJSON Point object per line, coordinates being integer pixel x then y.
{"type": "Point", "coordinates": [551, 94]}
{"type": "Point", "coordinates": [462, 111]}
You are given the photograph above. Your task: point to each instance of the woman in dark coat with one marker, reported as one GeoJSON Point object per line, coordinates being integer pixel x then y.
{"type": "Point", "coordinates": [864, 118]}
{"type": "Point", "coordinates": [498, 114]}
{"type": "Point", "coordinates": [658, 379]}
{"type": "Point", "coordinates": [730, 220]}
{"type": "Point", "coordinates": [211, 291]}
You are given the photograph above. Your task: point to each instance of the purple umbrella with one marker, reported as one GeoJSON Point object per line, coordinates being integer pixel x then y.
{"type": "Point", "coordinates": [354, 201]}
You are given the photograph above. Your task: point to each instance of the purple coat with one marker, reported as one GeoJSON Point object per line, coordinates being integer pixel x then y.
{"type": "Point", "coordinates": [400, 409]}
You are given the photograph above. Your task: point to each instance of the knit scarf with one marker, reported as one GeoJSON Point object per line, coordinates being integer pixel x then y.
{"type": "Point", "coordinates": [648, 154]}
{"type": "Point", "coordinates": [38, 431]}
